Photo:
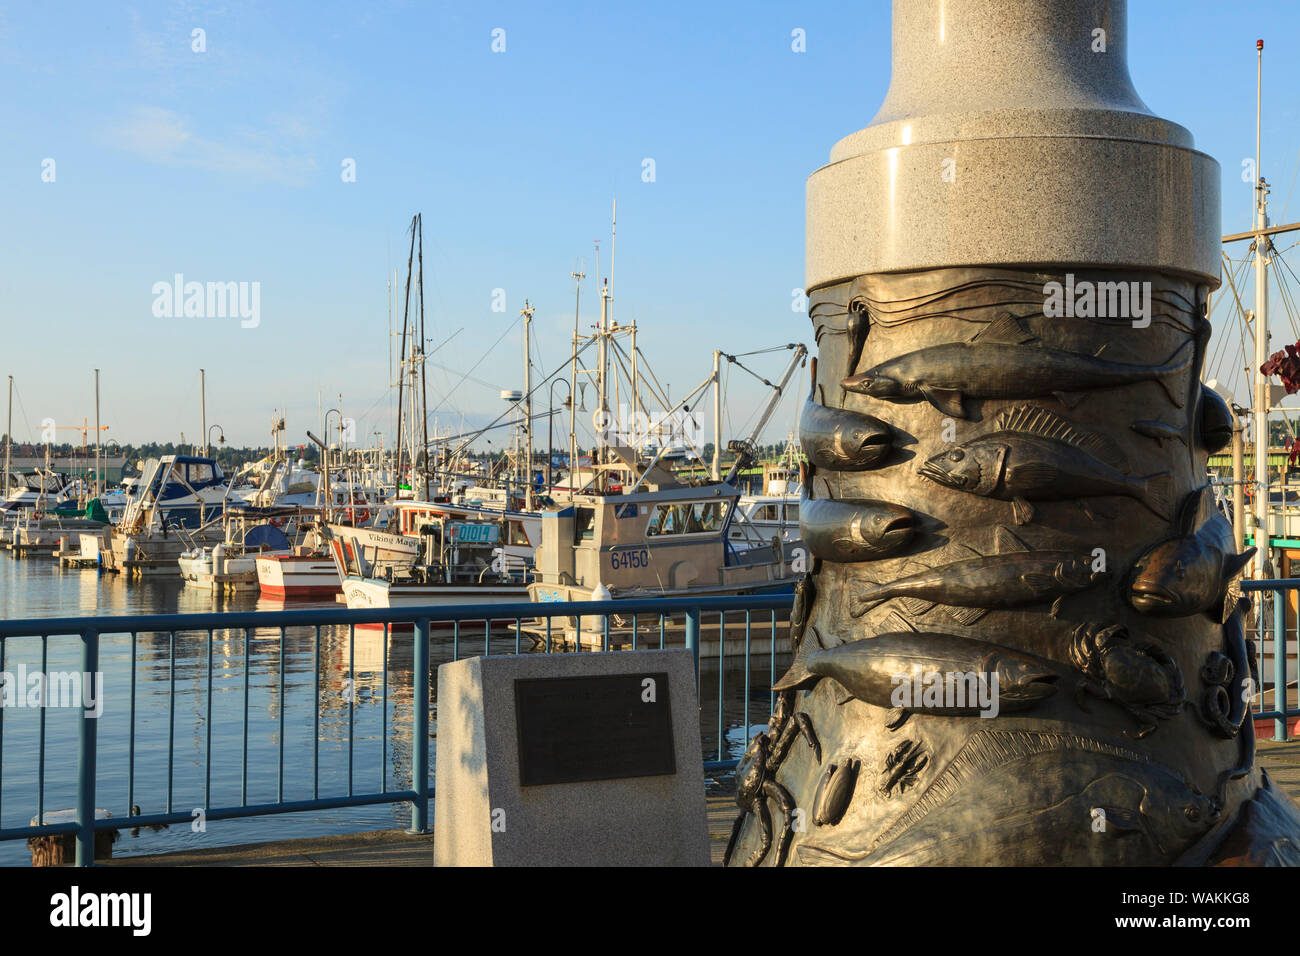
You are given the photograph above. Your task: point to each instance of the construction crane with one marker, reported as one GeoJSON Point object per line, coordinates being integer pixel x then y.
{"type": "Point", "coordinates": [85, 428]}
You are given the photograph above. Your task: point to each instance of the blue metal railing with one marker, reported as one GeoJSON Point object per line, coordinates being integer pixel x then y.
{"type": "Point", "coordinates": [501, 621]}
{"type": "Point", "coordinates": [1273, 639]}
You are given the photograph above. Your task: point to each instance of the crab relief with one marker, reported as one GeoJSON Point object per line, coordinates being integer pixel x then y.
{"type": "Point", "coordinates": [1141, 678]}
{"type": "Point", "coordinates": [756, 782]}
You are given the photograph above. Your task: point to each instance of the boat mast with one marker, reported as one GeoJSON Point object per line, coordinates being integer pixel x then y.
{"type": "Point", "coordinates": [717, 415]}
{"type": "Point", "coordinates": [424, 399]}
{"type": "Point", "coordinates": [203, 409]}
{"type": "Point", "coordinates": [573, 378]}
{"type": "Point", "coordinates": [527, 313]}
{"type": "Point", "coordinates": [1263, 562]}
{"type": "Point", "coordinates": [99, 473]}
{"type": "Point", "coordinates": [602, 375]}
{"type": "Point", "coordinates": [9, 433]}
{"type": "Point", "coordinates": [401, 361]}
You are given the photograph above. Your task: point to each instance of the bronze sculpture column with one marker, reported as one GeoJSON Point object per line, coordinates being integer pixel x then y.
{"type": "Point", "coordinates": [1020, 643]}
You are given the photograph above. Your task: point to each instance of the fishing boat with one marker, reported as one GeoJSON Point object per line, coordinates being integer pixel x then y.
{"type": "Point", "coordinates": [250, 532]}
{"type": "Point", "coordinates": [456, 563]}
{"type": "Point", "coordinates": [658, 538]}
{"type": "Point", "coordinates": [297, 576]}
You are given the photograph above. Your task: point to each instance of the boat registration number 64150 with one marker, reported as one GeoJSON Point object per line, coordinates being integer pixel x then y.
{"type": "Point", "coordinates": [629, 558]}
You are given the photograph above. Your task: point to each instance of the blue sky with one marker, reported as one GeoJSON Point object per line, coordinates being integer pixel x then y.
{"type": "Point", "coordinates": [226, 165]}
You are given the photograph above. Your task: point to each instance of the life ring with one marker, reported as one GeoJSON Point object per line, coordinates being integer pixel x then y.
{"type": "Point", "coordinates": [279, 522]}
{"type": "Point", "coordinates": [364, 515]}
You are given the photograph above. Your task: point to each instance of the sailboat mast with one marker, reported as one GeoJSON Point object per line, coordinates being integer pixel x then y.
{"type": "Point", "coordinates": [1263, 558]}
{"type": "Point", "coordinates": [424, 393]}
{"type": "Point", "coordinates": [401, 360]}
{"type": "Point", "coordinates": [9, 435]}
{"type": "Point", "coordinates": [99, 468]}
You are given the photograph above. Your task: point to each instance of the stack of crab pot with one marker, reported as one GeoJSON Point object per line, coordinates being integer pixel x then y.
{"type": "Point", "coordinates": [1020, 642]}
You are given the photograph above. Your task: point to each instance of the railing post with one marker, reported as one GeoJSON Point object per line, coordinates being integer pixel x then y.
{"type": "Point", "coordinates": [86, 756]}
{"type": "Point", "coordinates": [420, 731]}
{"type": "Point", "coordinates": [1280, 694]}
{"type": "Point", "coordinates": [693, 640]}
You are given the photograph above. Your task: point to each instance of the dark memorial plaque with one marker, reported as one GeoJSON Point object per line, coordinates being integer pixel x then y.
{"type": "Point", "coordinates": [574, 729]}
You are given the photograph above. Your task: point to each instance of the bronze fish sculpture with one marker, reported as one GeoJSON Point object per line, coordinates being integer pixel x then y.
{"type": "Point", "coordinates": [1215, 421]}
{"type": "Point", "coordinates": [1035, 455]}
{"type": "Point", "coordinates": [857, 324]}
{"type": "Point", "coordinates": [970, 588]}
{"type": "Point", "coordinates": [1190, 573]}
{"type": "Point", "coordinates": [1159, 432]}
{"type": "Point", "coordinates": [854, 529]}
{"type": "Point", "coordinates": [840, 439]}
{"type": "Point", "coordinates": [870, 670]}
{"type": "Point", "coordinates": [997, 363]}
{"type": "Point", "coordinates": [805, 592]}
{"type": "Point", "coordinates": [843, 440]}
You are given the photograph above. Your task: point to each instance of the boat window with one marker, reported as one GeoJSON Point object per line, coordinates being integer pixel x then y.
{"type": "Point", "coordinates": [199, 473]}
{"type": "Point", "coordinates": [584, 521]}
{"type": "Point", "coordinates": [699, 517]}
{"type": "Point", "coordinates": [517, 533]}
{"type": "Point", "coordinates": [766, 513]}
{"type": "Point", "coordinates": [792, 513]}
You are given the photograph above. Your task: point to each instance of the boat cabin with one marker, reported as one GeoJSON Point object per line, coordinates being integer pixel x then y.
{"type": "Point", "coordinates": [660, 537]}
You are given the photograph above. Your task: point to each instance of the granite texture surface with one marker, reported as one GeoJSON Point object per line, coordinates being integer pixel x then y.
{"type": "Point", "coordinates": [483, 816]}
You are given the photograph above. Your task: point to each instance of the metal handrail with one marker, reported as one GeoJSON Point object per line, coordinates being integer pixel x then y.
{"type": "Point", "coordinates": [89, 630]}
{"type": "Point", "coordinates": [1279, 637]}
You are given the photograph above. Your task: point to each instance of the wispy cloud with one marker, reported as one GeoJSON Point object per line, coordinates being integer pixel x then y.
{"type": "Point", "coordinates": [163, 136]}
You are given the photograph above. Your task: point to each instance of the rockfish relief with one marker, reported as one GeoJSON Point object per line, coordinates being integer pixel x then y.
{"type": "Point", "coordinates": [997, 363]}
{"type": "Point", "coordinates": [874, 670]}
{"type": "Point", "coordinates": [968, 589]}
{"type": "Point", "coordinates": [853, 529]}
{"type": "Point", "coordinates": [1035, 455]}
{"type": "Point", "coordinates": [1190, 573]}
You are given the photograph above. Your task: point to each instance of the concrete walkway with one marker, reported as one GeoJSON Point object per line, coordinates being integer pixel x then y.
{"type": "Point", "coordinates": [394, 848]}
{"type": "Point", "coordinates": [375, 848]}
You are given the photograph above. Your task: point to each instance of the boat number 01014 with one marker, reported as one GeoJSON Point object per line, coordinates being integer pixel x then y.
{"type": "Point", "coordinates": [630, 558]}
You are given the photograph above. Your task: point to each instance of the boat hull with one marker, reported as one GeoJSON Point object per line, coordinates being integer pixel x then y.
{"type": "Point", "coordinates": [297, 577]}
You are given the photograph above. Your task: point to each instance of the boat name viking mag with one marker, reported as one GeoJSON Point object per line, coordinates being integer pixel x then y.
{"type": "Point", "coordinates": [23, 688]}
{"type": "Point", "coordinates": [1099, 300]}
{"type": "Point", "coordinates": [212, 300]}
{"type": "Point", "coordinates": [946, 691]}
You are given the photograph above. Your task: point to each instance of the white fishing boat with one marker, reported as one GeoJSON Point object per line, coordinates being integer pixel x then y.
{"type": "Point", "coordinates": [658, 538]}
{"type": "Point", "coordinates": [305, 576]}
{"type": "Point", "coordinates": [456, 563]}
{"type": "Point", "coordinates": [250, 532]}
